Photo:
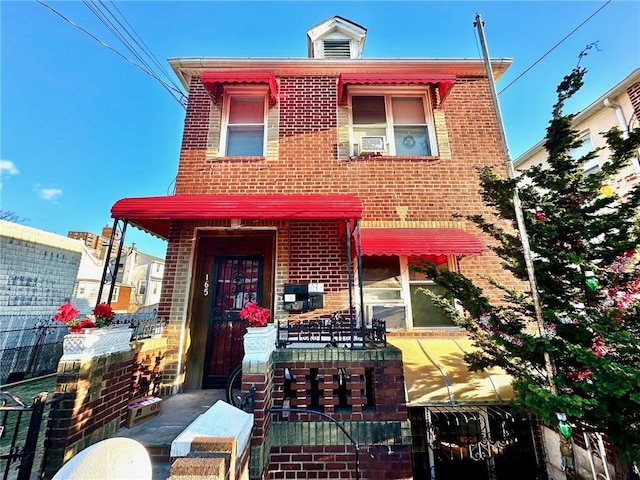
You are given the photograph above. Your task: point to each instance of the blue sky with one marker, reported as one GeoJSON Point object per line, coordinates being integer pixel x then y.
{"type": "Point", "coordinates": [82, 128]}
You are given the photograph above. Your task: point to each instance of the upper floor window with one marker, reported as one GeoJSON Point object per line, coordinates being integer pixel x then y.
{"type": "Point", "coordinates": [393, 124]}
{"type": "Point", "coordinates": [244, 116]}
{"type": "Point", "coordinates": [586, 146]}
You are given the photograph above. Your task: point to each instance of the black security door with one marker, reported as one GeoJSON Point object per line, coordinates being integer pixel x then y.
{"type": "Point", "coordinates": [237, 280]}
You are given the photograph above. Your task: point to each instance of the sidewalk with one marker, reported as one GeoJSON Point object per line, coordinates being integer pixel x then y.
{"type": "Point", "coordinates": [178, 411]}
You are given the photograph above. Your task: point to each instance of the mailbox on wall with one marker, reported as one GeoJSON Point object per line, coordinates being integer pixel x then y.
{"type": "Point", "coordinates": [303, 297]}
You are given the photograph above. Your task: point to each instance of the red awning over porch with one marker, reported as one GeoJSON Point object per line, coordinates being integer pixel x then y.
{"type": "Point", "coordinates": [444, 81]}
{"type": "Point", "coordinates": [210, 79]}
{"type": "Point", "coordinates": [418, 242]}
{"type": "Point", "coordinates": [154, 214]}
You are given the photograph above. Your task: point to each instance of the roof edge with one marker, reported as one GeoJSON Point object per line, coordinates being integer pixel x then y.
{"type": "Point", "coordinates": [186, 67]}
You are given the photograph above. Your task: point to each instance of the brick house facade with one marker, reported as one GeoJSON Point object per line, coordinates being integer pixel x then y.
{"type": "Point", "coordinates": [332, 173]}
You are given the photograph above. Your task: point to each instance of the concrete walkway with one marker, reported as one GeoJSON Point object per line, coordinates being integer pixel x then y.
{"type": "Point", "coordinates": [178, 411]}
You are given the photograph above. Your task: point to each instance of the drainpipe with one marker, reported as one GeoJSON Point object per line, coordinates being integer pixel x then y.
{"type": "Point", "coordinates": [622, 124]}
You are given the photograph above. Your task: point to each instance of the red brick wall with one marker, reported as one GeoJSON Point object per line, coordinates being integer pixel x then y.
{"type": "Point", "coordinates": [634, 94]}
{"type": "Point", "coordinates": [93, 398]}
{"type": "Point", "coordinates": [307, 462]}
{"type": "Point", "coordinates": [432, 189]}
{"type": "Point", "coordinates": [318, 253]}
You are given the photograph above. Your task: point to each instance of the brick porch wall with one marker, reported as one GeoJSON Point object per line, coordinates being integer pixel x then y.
{"type": "Point", "coordinates": [93, 397]}
{"type": "Point", "coordinates": [307, 446]}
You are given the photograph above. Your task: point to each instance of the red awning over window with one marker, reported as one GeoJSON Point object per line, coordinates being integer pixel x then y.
{"type": "Point", "coordinates": [154, 214]}
{"type": "Point", "coordinates": [418, 242]}
{"type": "Point", "coordinates": [210, 79]}
{"type": "Point", "coordinates": [444, 81]}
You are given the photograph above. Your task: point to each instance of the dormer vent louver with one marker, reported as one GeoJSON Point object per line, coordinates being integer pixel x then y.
{"type": "Point", "coordinates": [337, 49]}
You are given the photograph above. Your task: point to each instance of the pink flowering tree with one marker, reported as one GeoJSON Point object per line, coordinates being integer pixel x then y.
{"type": "Point", "coordinates": [585, 252]}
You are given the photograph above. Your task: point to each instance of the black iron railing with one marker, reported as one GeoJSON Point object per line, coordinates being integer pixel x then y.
{"type": "Point", "coordinates": [334, 331]}
{"type": "Point", "coordinates": [20, 424]}
{"type": "Point", "coordinates": [30, 345]}
{"type": "Point", "coordinates": [144, 325]}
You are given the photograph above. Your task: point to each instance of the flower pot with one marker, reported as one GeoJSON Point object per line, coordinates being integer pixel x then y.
{"type": "Point", "coordinates": [259, 342]}
{"type": "Point", "coordinates": [93, 342]}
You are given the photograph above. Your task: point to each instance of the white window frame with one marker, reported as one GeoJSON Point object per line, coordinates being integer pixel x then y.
{"type": "Point", "coordinates": [594, 165]}
{"type": "Point", "coordinates": [233, 91]}
{"type": "Point", "coordinates": [388, 93]}
{"type": "Point", "coordinates": [405, 297]}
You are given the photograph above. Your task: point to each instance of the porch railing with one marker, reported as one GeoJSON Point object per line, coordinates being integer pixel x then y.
{"type": "Point", "coordinates": [144, 325]}
{"type": "Point", "coordinates": [334, 331]}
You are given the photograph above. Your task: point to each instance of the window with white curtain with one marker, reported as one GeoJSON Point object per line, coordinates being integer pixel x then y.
{"type": "Point", "coordinates": [404, 120]}
{"type": "Point", "coordinates": [243, 133]}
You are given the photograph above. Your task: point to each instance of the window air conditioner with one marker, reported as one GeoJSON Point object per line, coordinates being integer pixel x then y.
{"type": "Point", "coordinates": [372, 144]}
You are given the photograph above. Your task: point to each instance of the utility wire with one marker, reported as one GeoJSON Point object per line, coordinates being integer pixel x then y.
{"type": "Point", "coordinates": [151, 74]}
{"type": "Point", "coordinates": [94, 8]}
{"type": "Point", "coordinates": [114, 29]}
{"type": "Point", "coordinates": [120, 33]}
{"type": "Point", "coordinates": [145, 48]}
{"type": "Point", "coordinates": [555, 46]}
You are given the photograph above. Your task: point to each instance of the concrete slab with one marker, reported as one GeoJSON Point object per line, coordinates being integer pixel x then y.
{"type": "Point", "coordinates": [221, 420]}
{"type": "Point", "coordinates": [178, 411]}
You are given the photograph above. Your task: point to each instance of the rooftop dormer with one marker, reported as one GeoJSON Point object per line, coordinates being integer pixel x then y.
{"type": "Point", "coordinates": [336, 38]}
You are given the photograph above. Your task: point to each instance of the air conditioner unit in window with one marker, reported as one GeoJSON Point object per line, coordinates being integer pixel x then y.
{"type": "Point", "coordinates": [372, 144]}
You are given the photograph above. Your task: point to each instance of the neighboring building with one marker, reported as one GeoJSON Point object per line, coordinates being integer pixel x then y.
{"type": "Point", "coordinates": [618, 107]}
{"type": "Point", "coordinates": [37, 269]}
{"type": "Point", "coordinates": [301, 180]}
{"type": "Point", "coordinates": [138, 282]}
{"type": "Point", "coordinates": [37, 273]}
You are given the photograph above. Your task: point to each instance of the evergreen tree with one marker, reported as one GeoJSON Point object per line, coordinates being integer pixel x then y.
{"type": "Point", "coordinates": [584, 244]}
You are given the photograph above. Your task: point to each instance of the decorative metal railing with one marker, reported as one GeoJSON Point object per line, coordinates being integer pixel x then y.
{"type": "Point", "coordinates": [144, 325]}
{"type": "Point", "coordinates": [20, 425]}
{"type": "Point", "coordinates": [333, 331]}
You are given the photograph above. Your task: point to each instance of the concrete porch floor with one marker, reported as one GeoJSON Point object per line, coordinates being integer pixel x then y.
{"type": "Point", "coordinates": [178, 411]}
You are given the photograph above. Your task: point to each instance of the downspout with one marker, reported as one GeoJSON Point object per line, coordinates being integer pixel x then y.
{"type": "Point", "coordinates": [622, 121]}
{"type": "Point", "coordinates": [622, 124]}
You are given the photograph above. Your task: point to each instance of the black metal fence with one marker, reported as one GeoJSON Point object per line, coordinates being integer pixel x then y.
{"type": "Point", "coordinates": [22, 435]}
{"type": "Point", "coordinates": [31, 345]}
{"type": "Point", "coordinates": [333, 331]}
{"type": "Point", "coordinates": [144, 325]}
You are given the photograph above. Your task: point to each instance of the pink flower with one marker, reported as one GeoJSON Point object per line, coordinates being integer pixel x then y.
{"type": "Point", "coordinates": [256, 316]}
{"type": "Point", "coordinates": [66, 313]}
{"type": "Point", "coordinates": [103, 314]}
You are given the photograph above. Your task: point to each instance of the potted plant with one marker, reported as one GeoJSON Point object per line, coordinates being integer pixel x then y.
{"type": "Point", "coordinates": [68, 314]}
{"type": "Point", "coordinates": [260, 339]}
{"type": "Point", "coordinates": [91, 335]}
{"type": "Point", "coordinates": [256, 315]}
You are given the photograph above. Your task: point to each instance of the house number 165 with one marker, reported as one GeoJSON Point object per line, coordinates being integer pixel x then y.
{"type": "Point", "coordinates": [205, 289]}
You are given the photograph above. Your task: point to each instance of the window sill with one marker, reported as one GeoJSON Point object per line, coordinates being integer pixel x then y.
{"type": "Point", "coordinates": [430, 158]}
{"type": "Point", "coordinates": [237, 159]}
{"type": "Point", "coordinates": [434, 332]}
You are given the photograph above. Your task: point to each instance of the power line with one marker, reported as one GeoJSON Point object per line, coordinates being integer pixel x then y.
{"type": "Point", "coordinates": [150, 73]}
{"type": "Point", "coordinates": [554, 47]}
{"type": "Point", "coordinates": [114, 30]}
{"type": "Point", "coordinates": [144, 46]}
